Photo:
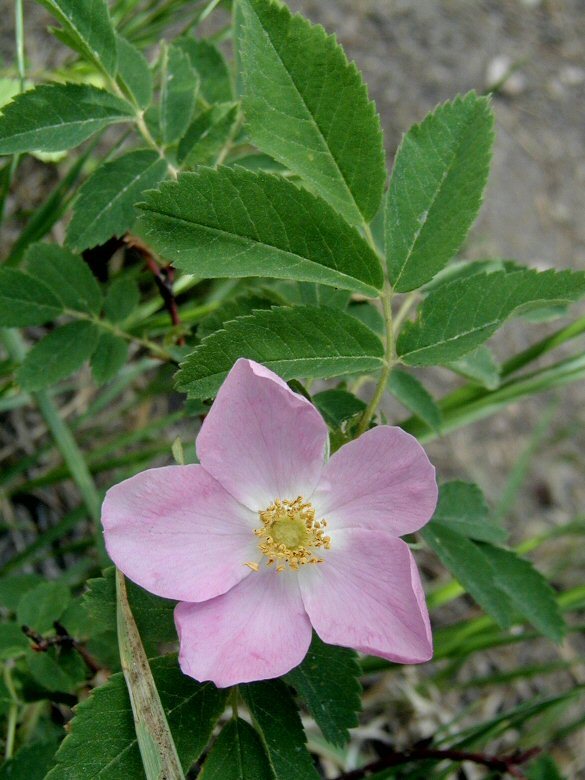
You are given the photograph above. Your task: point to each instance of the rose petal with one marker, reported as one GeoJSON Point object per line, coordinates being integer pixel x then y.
{"type": "Point", "coordinates": [260, 440]}
{"type": "Point", "coordinates": [176, 532]}
{"type": "Point", "coordinates": [383, 481]}
{"type": "Point", "coordinates": [256, 631]}
{"type": "Point", "coordinates": [367, 595]}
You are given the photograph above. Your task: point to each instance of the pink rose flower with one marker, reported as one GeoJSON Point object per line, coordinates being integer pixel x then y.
{"type": "Point", "coordinates": [269, 538]}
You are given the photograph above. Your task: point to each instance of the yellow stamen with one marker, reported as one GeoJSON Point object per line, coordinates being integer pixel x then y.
{"type": "Point", "coordinates": [289, 534]}
{"type": "Point", "coordinates": [253, 566]}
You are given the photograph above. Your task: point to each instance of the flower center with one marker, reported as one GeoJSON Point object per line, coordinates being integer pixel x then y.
{"type": "Point", "coordinates": [290, 534]}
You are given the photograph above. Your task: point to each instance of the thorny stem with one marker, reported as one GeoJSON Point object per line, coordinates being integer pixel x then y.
{"type": "Point", "coordinates": [506, 764]}
{"type": "Point", "coordinates": [163, 278]}
{"type": "Point", "coordinates": [390, 354]}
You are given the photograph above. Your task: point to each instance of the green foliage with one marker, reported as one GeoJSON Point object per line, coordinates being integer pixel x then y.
{"type": "Point", "coordinates": [299, 341]}
{"type": "Point", "coordinates": [463, 508]}
{"type": "Point", "coordinates": [40, 607]}
{"type": "Point", "coordinates": [54, 117]}
{"type": "Point", "coordinates": [233, 223]}
{"type": "Point", "coordinates": [121, 299]}
{"type": "Point", "coordinates": [58, 355]}
{"type": "Point", "coordinates": [436, 188]}
{"type": "Point", "coordinates": [338, 406]}
{"type": "Point", "coordinates": [480, 366]}
{"type": "Point", "coordinates": [456, 318]}
{"type": "Point", "coordinates": [500, 581]}
{"type": "Point", "coordinates": [110, 355]}
{"type": "Point", "coordinates": [88, 29]}
{"type": "Point", "coordinates": [178, 94]}
{"type": "Point", "coordinates": [328, 682]}
{"type": "Point", "coordinates": [134, 73]}
{"type": "Point", "coordinates": [211, 68]}
{"type": "Point", "coordinates": [415, 397]}
{"type": "Point", "coordinates": [277, 721]}
{"type": "Point", "coordinates": [192, 710]}
{"type": "Point", "coordinates": [25, 301]}
{"type": "Point", "coordinates": [67, 275]}
{"type": "Point", "coordinates": [207, 135]}
{"type": "Point", "coordinates": [31, 762]}
{"type": "Point", "coordinates": [105, 203]}
{"type": "Point", "coordinates": [237, 754]}
{"type": "Point", "coordinates": [307, 107]}
{"type": "Point", "coordinates": [153, 615]}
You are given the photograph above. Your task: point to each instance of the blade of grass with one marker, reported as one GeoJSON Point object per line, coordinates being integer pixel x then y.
{"type": "Point", "coordinates": [64, 440]}
{"type": "Point", "coordinates": [158, 751]}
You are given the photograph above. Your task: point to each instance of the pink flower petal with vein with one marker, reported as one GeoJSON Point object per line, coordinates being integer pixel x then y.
{"type": "Point", "coordinates": [260, 440]}
{"type": "Point", "coordinates": [176, 532]}
{"type": "Point", "coordinates": [383, 481]}
{"type": "Point", "coordinates": [256, 631]}
{"type": "Point", "coordinates": [367, 595]}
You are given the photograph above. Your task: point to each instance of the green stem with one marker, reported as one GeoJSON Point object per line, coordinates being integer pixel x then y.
{"type": "Point", "coordinates": [389, 361]}
{"type": "Point", "coordinates": [12, 719]}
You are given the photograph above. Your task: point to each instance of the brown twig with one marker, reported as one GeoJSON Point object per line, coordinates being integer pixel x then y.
{"type": "Point", "coordinates": [505, 764]}
{"type": "Point", "coordinates": [41, 644]}
{"type": "Point", "coordinates": [163, 277]}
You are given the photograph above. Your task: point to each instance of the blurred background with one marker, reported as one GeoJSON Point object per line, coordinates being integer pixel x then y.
{"type": "Point", "coordinates": [529, 458]}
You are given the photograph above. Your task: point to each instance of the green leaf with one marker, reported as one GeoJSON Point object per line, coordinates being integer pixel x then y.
{"type": "Point", "coordinates": [88, 30]}
{"type": "Point", "coordinates": [480, 366]}
{"type": "Point", "coordinates": [328, 682]}
{"type": "Point", "coordinates": [179, 88]}
{"type": "Point", "coordinates": [369, 315]}
{"type": "Point", "coordinates": [54, 117]}
{"type": "Point", "coordinates": [62, 672]}
{"type": "Point", "coordinates": [12, 641]}
{"type": "Point", "coordinates": [230, 222]}
{"type": "Point", "coordinates": [415, 397]}
{"type": "Point", "coordinates": [153, 615]}
{"type": "Point", "coordinates": [105, 203]}
{"type": "Point", "coordinates": [301, 341]}
{"type": "Point", "coordinates": [466, 561]}
{"type": "Point", "coordinates": [236, 755]}
{"type": "Point", "coordinates": [308, 107]}
{"type": "Point", "coordinates": [544, 768]}
{"type": "Point", "coordinates": [31, 762]}
{"type": "Point", "coordinates": [122, 298]}
{"type": "Point", "coordinates": [462, 508]}
{"type": "Point", "coordinates": [25, 301]}
{"type": "Point", "coordinates": [277, 721]}
{"type": "Point", "coordinates": [456, 318]}
{"type": "Point", "coordinates": [528, 591]}
{"type": "Point", "coordinates": [338, 406]}
{"type": "Point", "coordinates": [211, 67]}
{"type": "Point", "coordinates": [207, 135]}
{"type": "Point", "coordinates": [13, 588]}
{"type": "Point", "coordinates": [58, 355]}
{"type": "Point", "coordinates": [102, 740]}
{"type": "Point", "coordinates": [41, 606]}
{"type": "Point", "coordinates": [236, 307]}
{"type": "Point", "coordinates": [68, 276]}
{"type": "Point", "coordinates": [134, 73]}
{"type": "Point", "coordinates": [436, 189]}
{"type": "Point", "coordinates": [110, 355]}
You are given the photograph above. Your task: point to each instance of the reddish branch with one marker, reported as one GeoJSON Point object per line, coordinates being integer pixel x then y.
{"type": "Point", "coordinates": [505, 764]}
{"type": "Point", "coordinates": [163, 277]}
{"type": "Point", "coordinates": [41, 644]}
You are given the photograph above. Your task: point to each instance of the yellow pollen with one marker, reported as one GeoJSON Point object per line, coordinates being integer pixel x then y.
{"type": "Point", "coordinates": [290, 534]}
